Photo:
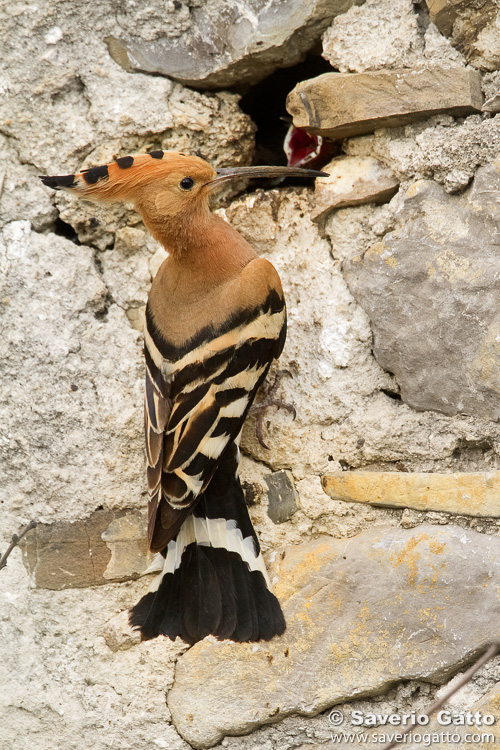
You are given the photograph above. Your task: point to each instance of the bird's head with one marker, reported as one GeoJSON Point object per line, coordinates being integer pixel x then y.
{"type": "Point", "coordinates": [166, 187]}
{"type": "Point", "coordinates": [166, 182]}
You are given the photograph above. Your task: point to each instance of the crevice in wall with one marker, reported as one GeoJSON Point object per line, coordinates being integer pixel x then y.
{"type": "Point", "coordinates": [423, 18]}
{"type": "Point", "coordinates": [265, 103]}
{"type": "Point", "coordinates": [391, 394]}
{"type": "Point", "coordinates": [108, 300]}
{"type": "Point", "coordinates": [63, 229]}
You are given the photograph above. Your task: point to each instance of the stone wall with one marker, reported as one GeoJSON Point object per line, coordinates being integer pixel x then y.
{"type": "Point", "coordinates": [378, 507]}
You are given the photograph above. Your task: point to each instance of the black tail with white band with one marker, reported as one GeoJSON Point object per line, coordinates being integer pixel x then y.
{"type": "Point", "coordinates": [214, 579]}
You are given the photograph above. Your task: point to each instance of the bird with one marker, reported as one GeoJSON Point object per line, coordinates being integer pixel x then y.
{"type": "Point", "coordinates": [215, 320]}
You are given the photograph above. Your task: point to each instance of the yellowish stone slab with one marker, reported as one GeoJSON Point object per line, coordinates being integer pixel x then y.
{"type": "Point", "coordinates": [474, 494]}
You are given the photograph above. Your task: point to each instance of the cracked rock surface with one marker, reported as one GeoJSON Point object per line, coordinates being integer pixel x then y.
{"type": "Point", "coordinates": [423, 624]}
{"type": "Point", "coordinates": [230, 43]}
{"type": "Point", "coordinates": [71, 397]}
{"type": "Point", "coordinates": [430, 288]}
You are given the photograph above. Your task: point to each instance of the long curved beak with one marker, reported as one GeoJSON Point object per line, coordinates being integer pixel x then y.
{"type": "Point", "coordinates": [232, 173]}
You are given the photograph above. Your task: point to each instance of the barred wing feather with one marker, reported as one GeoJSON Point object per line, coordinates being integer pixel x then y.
{"type": "Point", "coordinates": [196, 404]}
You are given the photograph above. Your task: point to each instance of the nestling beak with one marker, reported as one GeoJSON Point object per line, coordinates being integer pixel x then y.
{"type": "Point", "coordinates": [231, 173]}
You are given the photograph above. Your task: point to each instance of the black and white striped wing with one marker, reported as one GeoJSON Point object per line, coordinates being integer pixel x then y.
{"type": "Point", "coordinates": [200, 402]}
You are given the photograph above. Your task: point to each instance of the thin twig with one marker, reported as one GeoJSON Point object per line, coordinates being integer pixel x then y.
{"type": "Point", "coordinates": [492, 650]}
{"type": "Point", "coordinates": [16, 538]}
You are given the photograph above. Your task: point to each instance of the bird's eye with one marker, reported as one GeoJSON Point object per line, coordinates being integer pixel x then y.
{"type": "Point", "coordinates": [187, 183]}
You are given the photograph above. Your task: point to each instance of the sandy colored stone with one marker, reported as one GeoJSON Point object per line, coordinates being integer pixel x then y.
{"type": "Point", "coordinates": [475, 494]}
{"type": "Point", "coordinates": [106, 546]}
{"type": "Point", "coordinates": [352, 182]}
{"type": "Point", "coordinates": [445, 12]}
{"type": "Point", "coordinates": [339, 105]}
{"type": "Point", "coordinates": [401, 603]}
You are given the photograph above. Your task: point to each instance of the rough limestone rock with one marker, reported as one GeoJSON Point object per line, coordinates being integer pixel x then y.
{"type": "Point", "coordinates": [231, 42]}
{"type": "Point", "coordinates": [72, 673]}
{"type": "Point", "coordinates": [62, 686]}
{"type": "Point", "coordinates": [172, 118]}
{"type": "Point", "coordinates": [320, 312]}
{"type": "Point", "coordinates": [393, 35]}
{"type": "Point", "coordinates": [431, 290]}
{"type": "Point", "coordinates": [70, 106]}
{"type": "Point", "coordinates": [118, 633]}
{"type": "Point", "coordinates": [476, 494]}
{"type": "Point", "coordinates": [442, 148]}
{"type": "Point", "coordinates": [346, 602]}
{"type": "Point", "coordinates": [126, 269]}
{"type": "Point", "coordinates": [339, 105]}
{"type": "Point", "coordinates": [389, 29]}
{"type": "Point", "coordinates": [71, 401]}
{"type": "Point", "coordinates": [353, 181]}
{"type": "Point", "coordinates": [22, 196]}
{"type": "Point", "coordinates": [106, 546]}
{"type": "Point", "coordinates": [492, 104]}
{"type": "Point", "coordinates": [474, 28]}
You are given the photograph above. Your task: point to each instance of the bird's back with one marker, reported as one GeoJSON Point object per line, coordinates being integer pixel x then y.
{"type": "Point", "coordinates": [208, 349]}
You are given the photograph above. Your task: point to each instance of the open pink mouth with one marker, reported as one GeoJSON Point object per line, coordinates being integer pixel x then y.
{"type": "Point", "coordinates": [301, 147]}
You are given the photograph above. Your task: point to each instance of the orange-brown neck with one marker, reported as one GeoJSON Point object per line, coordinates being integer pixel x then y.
{"type": "Point", "coordinates": [204, 246]}
{"type": "Point", "coordinates": [178, 233]}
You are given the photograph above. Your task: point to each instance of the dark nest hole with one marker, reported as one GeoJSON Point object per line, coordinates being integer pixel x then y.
{"type": "Point", "coordinates": [66, 230]}
{"type": "Point", "coordinates": [265, 103]}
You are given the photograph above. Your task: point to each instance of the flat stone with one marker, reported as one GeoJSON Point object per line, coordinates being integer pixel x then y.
{"type": "Point", "coordinates": [362, 613]}
{"type": "Point", "coordinates": [340, 105]}
{"type": "Point", "coordinates": [107, 546]}
{"type": "Point", "coordinates": [430, 288]}
{"type": "Point", "coordinates": [353, 180]}
{"type": "Point", "coordinates": [282, 496]}
{"type": "Point", "coordinates": [231, 43]}
{"type": "Point", "coordinates": [474, 494]}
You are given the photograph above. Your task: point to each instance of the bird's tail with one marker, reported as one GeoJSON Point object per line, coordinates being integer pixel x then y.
{"type": "Point", "coordinates": [214, 579]}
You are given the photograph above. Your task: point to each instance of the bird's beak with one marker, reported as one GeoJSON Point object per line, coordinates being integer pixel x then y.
{"type": "Point", "coordinates": [232, 173]}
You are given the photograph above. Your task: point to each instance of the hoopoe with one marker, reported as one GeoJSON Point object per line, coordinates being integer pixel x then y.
{"type": "Point", "coordinates": [215, 321]}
